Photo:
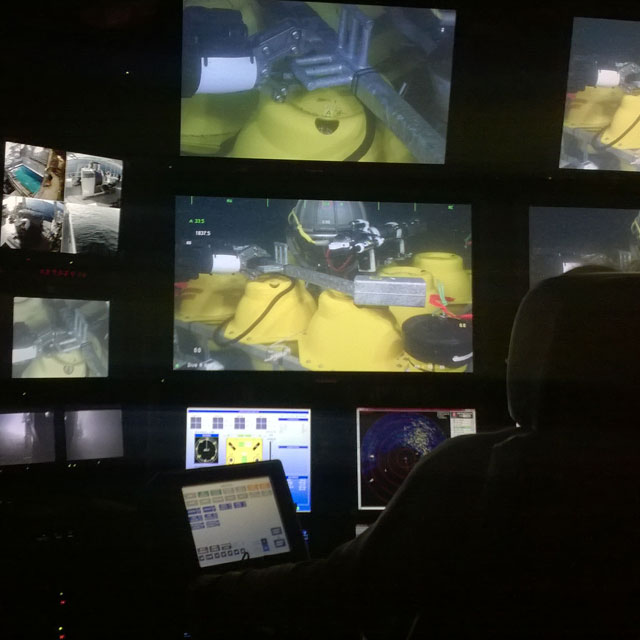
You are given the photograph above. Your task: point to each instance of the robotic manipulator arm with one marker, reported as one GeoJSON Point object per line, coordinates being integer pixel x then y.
{"type": "Point", "coordinates": [220, 57]}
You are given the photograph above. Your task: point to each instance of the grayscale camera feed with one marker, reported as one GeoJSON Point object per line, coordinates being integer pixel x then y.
{"type": "Point", "coordinates": [32, 224]}
{"type": "Point", "coordinates": [93, 434]}
{"type": "Point", "coordinates": [316, 81]}
{"type": "Point", "coordinates": [26, 438]}
{"type": "Point", "coordinates": [562, 239]}
{"type": "Point", "coordinates": [33, 172]}
{"type": "Point", "coordinates": [55, 338]}
{"type": "Point", "coordinates": [602, 112]}
{"type": "Point", "coordinates": [322, 285]}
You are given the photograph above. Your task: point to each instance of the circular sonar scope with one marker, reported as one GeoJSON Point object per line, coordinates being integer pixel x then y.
{"type": "Point", "coordinates": [389, 450]}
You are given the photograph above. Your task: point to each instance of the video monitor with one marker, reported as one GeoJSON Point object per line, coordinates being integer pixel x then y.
{"type": "Point", "coordinates": [322, 285]}
{"type": "Point", "coordinates": [316, 81]}
{"type": "Point", "coordinates": [563, 238]}
{"type": "Point", "coordinates": [27, 438]}
{"type": "Point", "coordinates": [33, 172]}
{"type": "Point", "coordinates": [602, 112]}
{"type": "Point", "coordinates": [80, 215]}
{"type": "Point", "coordinates": [392, 441]}
{"type": "Point", "coordinates": [93, 434]}
{"type": "Point", "coordinates": [60, 338]}
{"type": "Point", "coordinates": [222, 436]}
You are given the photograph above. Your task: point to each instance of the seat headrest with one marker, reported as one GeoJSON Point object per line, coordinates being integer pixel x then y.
{"type": "Point", "coordinates": [574, 356]}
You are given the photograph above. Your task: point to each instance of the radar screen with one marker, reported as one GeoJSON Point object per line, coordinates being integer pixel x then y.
{"type": "Point", "coordinates": [391, 441]}
{"type": "Point", "coordinates": [223, 436]}
{"type": "Point", "coordinates": [316, 81]}
{"type": "Point", "coordinates": [322, 285]}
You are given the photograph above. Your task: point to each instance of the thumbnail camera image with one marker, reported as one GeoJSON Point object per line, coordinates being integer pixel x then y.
{"type": "Point", "coordinates": [602, 113]}
{"type": "Point", "coordinates": [562, 239]}
{"type": "Point", "coordinates": [93, 434]}
{"type": "Point", "coordinates": [32, 224]}
{"type": "Point", "coordinates": [316, 81]}
{"type": "Point", "coordinates": [391, 441]}
{"type": "Point", "coordinates": [26, 438]}
{"type": "Point", "coordinates": [33, 172]}
{"type": "Point", "coordinates": [322, 285]}
{"type": "Point", "coordinates": [54, 338]}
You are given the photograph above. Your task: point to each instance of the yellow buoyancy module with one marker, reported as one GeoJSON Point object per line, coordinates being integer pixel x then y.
{"type": "Point", "coordinates": [448, 274]}
{"type": "Point", "coordinates": [70, 364]}
{"type": "Point", "coordinates": [344, 337]}
{"type": "Point", "coordinates": [624, 130]}
{"type": "Point", "coordinates": [593, 108]}
{"type": "Point", "coordinates": [211, 298]}
{"type": "Point", "coordinates": [324, 124]}
{"type": "Point", "coordinates": [272, 308]}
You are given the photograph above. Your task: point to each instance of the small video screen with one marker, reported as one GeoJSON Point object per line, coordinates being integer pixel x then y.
{"type": "Point", "coordinates": [220, 436]}
{"type": "Point", "coordinates": [33, 172]}
{"type": "Point", "coordinates": [93, 180]}
{"type": "Point", "coordinates": [322, 285]}
{"type": "Point", "coordinates": [392, 441]}
{"type": "Point", "coordinates": [562, 239]}
{"type": "Point", "coordinates": [27, 438]}
{"type": "Point", "coordinates": [316, 81]}
{"type": "Point", "coordinates": [93, 434]}
{"type": "Point", "coordinates": [59, 338]}
{"type": "Point", "coordinates": [31, 224]}
{"type": "Point", "coordinates": [602, 112]}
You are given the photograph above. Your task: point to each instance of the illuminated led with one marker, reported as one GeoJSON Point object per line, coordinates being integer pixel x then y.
{"type": "Point", "coordinates": [59, 628]}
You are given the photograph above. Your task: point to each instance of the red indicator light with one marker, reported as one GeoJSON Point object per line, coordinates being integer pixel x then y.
{"type": "Point", "coordinates": [62, 637]}
{"type": "Point", "coordinates": [63, 602]}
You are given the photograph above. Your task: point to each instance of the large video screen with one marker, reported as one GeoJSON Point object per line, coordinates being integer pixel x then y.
{"type": "Point", "coordinates": [602, 113]}
{"type": "Point", "coordinates": [322, 285]}
{"type": "Point", "coordinates": [391, 441]}
{"type": "Point", "coordinates": [93, 434]}
{"type": "Point", "coordinates": [316, 81]}
{"type": "Point", "coordinates": [218, 436]}
{"type": "Point", "coordinates": [564, 238]}
{"type": "Point", "coordinates": [27, 438]}
{"type": "Point", "coordinates": [59, 338]}
{"type": "Point", "coordinates": [60, 202]}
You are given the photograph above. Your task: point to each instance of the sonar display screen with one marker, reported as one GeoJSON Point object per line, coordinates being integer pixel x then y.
{"type": "Point", "coordinates": [563, 238]}
{"type": "Point", "coordinates": [391, 441]}
{"type": "Point", "coordinates": [219, 436]}
{"type": "Point", "coordinates": [322, 285]}
{"type": "Point", "coordinates": [60, 201]}
{"type": "Point", "coordinates": [316, 81]}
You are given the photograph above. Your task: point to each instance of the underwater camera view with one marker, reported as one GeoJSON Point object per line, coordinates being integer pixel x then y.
{"type": "Point", "coordinates": [390, 443]}
{"type": "Point", "coordinates": [564, 238]}
{"type": "Point", "coordinates": [55, 338]}
{"type": "Point", "coordinates": [602, 113]}
{"type": "Point", "coordinates": [316, 81]}
{"type": "Point", "coordinates": [322, 285]}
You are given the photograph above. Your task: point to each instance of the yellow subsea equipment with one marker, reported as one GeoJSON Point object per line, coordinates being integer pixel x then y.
{"type": "Point", "coordinates": [593, 108]}
{"type": "Point", "coordinates": [33, 312]}
{"type": "Point", "coordinates": [398, 271]}
{"type": "Point", "coordinates": [449, 275]}
{"type": "Point", "coordinates": [344, 337]}
{"type": "Point", "coordinates": [69, 364]}
{"type": "Point", "coordinates": [624, 130]}
{"type": "Point", "coordinates": [211, 298]}
{"type": "Point", "coordinates": [207, 121]}
{"type": "Point", "coordinates": [272, 308]}
{"type": "Point", "coordinates": [324, 124]}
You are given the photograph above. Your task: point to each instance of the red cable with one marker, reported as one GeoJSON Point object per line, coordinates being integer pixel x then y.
{"type": "Point", "coordinates": [434, 299]}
